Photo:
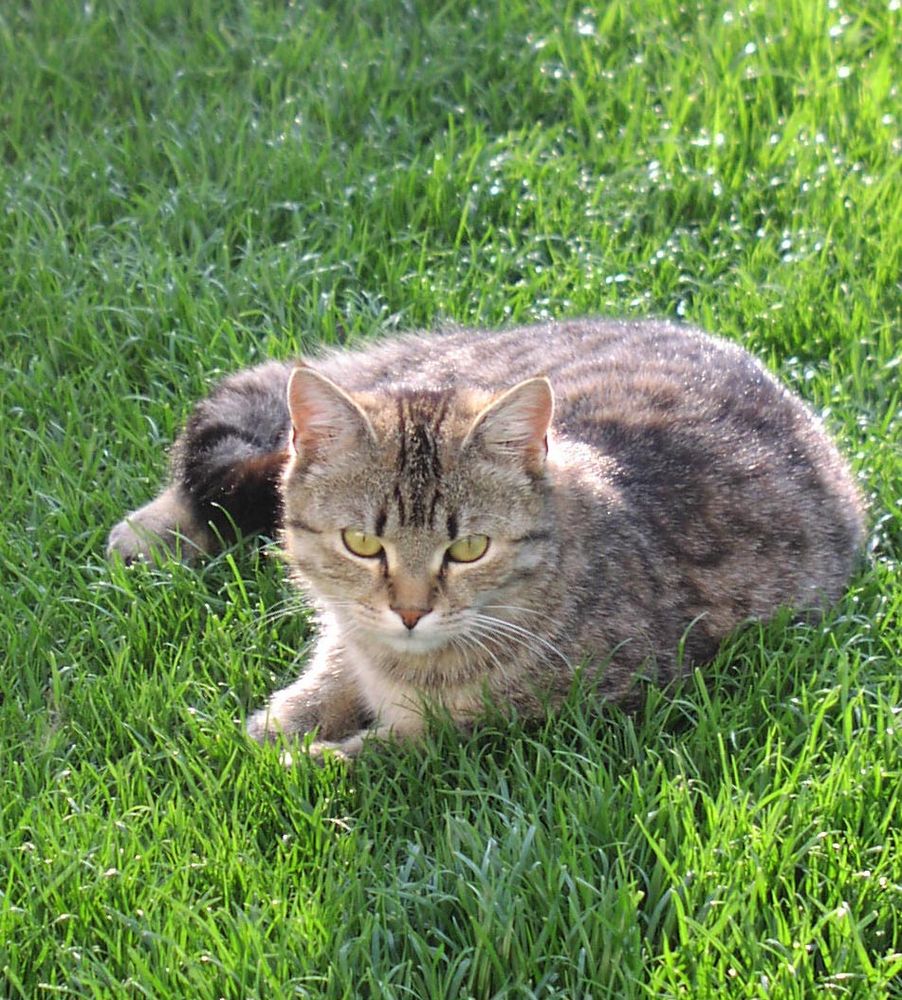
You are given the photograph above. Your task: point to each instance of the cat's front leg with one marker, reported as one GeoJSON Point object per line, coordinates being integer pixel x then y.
{"type": "Point", "coordinates": [382, 711]}
{"type": "Point", "coordinates": [325, 699]}
{"type": "Point", "coordinates": [397, 712]}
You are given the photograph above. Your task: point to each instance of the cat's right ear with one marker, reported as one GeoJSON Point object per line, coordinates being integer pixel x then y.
{"type": "Point", "coordinates": [323, 416]}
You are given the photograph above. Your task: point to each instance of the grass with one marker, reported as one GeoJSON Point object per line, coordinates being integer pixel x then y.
{"type": "Point", "coordinates": [188, 188]}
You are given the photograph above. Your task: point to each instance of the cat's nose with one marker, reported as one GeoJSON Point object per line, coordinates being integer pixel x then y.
{"type": "Point", "coordinates": [410, 616]}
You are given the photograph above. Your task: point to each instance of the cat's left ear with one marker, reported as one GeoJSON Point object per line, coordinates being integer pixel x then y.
{"type": "Point", "coordinates": [515, 425]}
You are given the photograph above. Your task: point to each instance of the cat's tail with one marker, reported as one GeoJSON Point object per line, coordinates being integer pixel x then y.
{"type": "Point", "coordinates": [225, 471]}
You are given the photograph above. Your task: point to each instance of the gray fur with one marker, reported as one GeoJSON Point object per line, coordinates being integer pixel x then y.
{"type": "Point", "coordinates": [684, 492]}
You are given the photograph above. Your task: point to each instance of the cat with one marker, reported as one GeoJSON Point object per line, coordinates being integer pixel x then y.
{"type": "Point", "coordinates": [477, 516]}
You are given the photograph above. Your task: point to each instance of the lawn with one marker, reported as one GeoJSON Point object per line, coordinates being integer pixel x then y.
{"type": "Point", "coordinates": [188, 188]}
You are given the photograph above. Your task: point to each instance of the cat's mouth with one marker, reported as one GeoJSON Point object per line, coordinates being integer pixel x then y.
{"type": "Point", "coordinates": [387, 629]}
{"type": "Point", "coordinates": [427, 635]}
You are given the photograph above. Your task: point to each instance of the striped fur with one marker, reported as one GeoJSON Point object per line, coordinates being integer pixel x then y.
{"type": "Point", "coordinates": [678, 491]}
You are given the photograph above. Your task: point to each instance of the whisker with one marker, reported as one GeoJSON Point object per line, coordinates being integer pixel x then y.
{"type": "Point", "coordinates": [457, 643]}
{"type": "Point", "coordinates": [290, 607]}
{"type": "Point", "coordinates": [471, 638]}
{"type": "Point", "coordinates": [525, 611]}
{"type": "Point", "coordinates": [499, 637]}
{"type": "Point", "coordinates": [272, 616]}
{"type": "Point", "coordinates": [511, 629]}
{"type": "Point", "coordinates": [504, 622]}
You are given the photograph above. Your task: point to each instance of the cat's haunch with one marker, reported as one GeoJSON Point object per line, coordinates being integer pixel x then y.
{"type": "Point", "coordinates": [475, 514]}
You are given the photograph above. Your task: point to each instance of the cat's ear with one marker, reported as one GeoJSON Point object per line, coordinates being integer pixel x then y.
{"type": "Point", "coordinates": [515, 425]}
{"type": "Point", "coordinates": [323, 416]}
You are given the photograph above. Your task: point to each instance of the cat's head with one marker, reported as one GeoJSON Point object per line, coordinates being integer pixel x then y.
{"type": "Point", "coordinates": [415, 516]}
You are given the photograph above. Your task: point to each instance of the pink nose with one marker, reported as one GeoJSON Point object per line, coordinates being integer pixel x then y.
{"type": "Point", "coordinates": [410, 616]}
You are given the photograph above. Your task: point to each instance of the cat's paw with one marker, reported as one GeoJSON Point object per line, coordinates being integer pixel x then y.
{"type": "Point", "coordinates": [267, 725]}
{"type": "Point", "coordinates": [319, 751]}
{"type": "Point", "coordinates": [261, 726]}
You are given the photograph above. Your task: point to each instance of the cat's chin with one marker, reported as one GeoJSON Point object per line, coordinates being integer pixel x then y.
{"type": "Point", "coordinates": [411, 644]}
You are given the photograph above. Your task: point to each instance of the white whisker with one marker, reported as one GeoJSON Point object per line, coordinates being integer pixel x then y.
{"type": "Point", "coordinates": [507, 637]}
{"type": "Point", "coordinates": [472, 638]}
{"type": "Point", "coordinates": [510, 628]}
{"type": "Point", "coordinates": [284, 609]}
{"type": "Point", "coordinates": [458, 644]}
{"type": "Point", "coordinates": [530, 612]}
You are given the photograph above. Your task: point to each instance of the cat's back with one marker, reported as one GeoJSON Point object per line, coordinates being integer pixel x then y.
{"type": "Point", "coordinates": [727, 479]}
{"type": "Point", "coordinates": [665, 400]}
{"type": "Point", "coordinates": [659, 397]}
{"type": "Point", "coordinates": [664, 361]}
{"type": "Point", "coordinates": [613, 380]}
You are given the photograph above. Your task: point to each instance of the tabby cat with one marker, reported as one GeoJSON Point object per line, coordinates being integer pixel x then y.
{"type": "Point", "coordinates": [475, 515]}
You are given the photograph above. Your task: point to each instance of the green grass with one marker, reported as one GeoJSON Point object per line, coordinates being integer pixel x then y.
{"type": "Point", "coordinates": [187, 188]}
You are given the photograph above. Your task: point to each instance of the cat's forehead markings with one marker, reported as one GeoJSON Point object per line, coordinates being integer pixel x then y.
{"type": "Point", "coordinates": [417, 490]}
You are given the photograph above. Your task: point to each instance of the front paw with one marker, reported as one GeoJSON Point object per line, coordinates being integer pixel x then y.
{"type": "Point", "coordinates": [263, 726]}
{"type": "Point", "coordinates": [267, 725]}
{"type": "Point", "coordinates": [319, 751]}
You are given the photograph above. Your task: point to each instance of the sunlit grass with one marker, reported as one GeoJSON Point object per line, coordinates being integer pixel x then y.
{"type": "Point", "coordinates": [188, 188]}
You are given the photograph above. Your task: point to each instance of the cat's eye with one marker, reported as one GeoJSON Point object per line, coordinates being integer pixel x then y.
{"type": "Point", "coordinates": [361, 544]}
{"type": "Point", "coordinates": [468, 549]}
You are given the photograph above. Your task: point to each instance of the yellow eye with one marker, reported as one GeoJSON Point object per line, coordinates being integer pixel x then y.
{"type": "Point", "coordinates": [366, 546]}
{"type": "Point", "coordinates": [468, 549]}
